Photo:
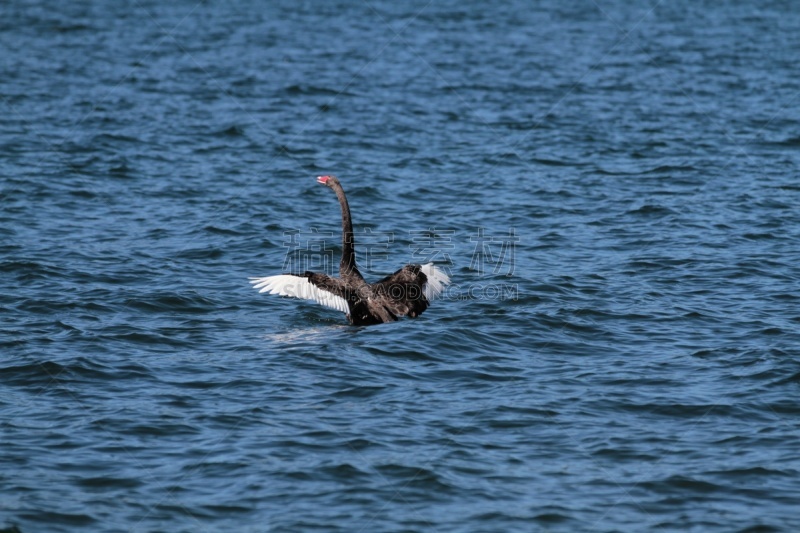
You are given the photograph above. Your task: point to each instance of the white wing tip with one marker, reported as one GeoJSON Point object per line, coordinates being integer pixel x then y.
{"type": "Point", "coordinates": [299, 287]}
{"type": "Point", "coordinates": [437, 281]}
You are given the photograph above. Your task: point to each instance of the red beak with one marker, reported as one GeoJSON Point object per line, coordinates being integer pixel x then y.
{"type": "Point", "coordinates": [323, 179]}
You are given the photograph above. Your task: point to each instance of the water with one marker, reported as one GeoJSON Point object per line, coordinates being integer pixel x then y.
{"type": "Point", "coordinates": [613, 187]}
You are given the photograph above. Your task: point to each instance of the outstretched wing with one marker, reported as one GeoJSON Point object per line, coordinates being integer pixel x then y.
{"type": "Point", "coordinates": [410, 290]}
{"type": "Point", "coordinates": [320, 288]}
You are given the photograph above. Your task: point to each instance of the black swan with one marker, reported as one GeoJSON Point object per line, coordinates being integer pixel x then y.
{"type": "Point", "coordinates": [407, 292]}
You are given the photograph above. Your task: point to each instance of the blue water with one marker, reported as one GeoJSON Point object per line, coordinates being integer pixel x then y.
{"type": "Point", "coordinates": [613, 187]}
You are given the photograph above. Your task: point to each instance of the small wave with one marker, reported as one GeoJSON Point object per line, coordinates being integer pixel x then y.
{"type": "Point", "coordinates": [30, 269]}
{"type": "Point", "coordinates": [651, 210]}
{"type": "Point", "coordinates": [46, 373]}
{"type": "Point", "coordinates": [59, 519]}
{"type": "Point", "coordinates": [210, 252]}
{"type": "Point", "coordinates": [552, 162]}
{"type": "Point", "coordinates": [343, 471]}
{"type": "Point", "coordinates": [503, 158]}
{"type": "Point", "coordinates": [661, 169]}
{"type": "Point", "coordinates": [415, 477]}
{"type": "Point", "coordinates": [107, 482]}
{"type": "Point", "coordinates": [789, 142]}
{"type": "Point", "coordinates": [669, 169]}
{"type": "Point", "coordinates": [469, 375]}
{"type": "Point", "coordinates": [283, 149]}
{"type": "Point", "coordinates": [222, 231]}
{"type": "Point", "coordinates": [364, 391]}
{"type": "Point", "coordinates": [177, 303]}
{"type": "Point", "coordinates": [109, 139]}
{"type": "Point", "coordinates": [552, 518]}
{"type": "Point", "coordinates": [414, 355]}
{"type": "Point", "coordinates": [231, 131]}
{"type": "Point", "coordinates": [681, 484]}
{"type": "Point", "coordinates": [314, 90]}
{"type": "Point", "coordinates": [759, 472]}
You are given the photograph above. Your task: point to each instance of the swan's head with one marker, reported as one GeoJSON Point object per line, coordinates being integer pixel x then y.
{"type": "Point", "coordinates": [330, 181]}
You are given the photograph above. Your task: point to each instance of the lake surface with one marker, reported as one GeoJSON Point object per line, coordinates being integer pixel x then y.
{"type": "Point", "coordinates": [612, 186]}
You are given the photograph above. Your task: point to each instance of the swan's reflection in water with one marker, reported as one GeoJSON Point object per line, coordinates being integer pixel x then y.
{"type": "Point", "coordinates": [313, 335]}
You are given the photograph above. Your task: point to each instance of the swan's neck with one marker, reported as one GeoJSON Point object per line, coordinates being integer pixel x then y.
{"type": "Point", "coordinates": [348, 264]}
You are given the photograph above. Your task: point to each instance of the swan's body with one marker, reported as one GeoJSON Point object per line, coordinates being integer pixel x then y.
{"type": "Point", "coordinates": [407, 292]}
